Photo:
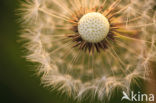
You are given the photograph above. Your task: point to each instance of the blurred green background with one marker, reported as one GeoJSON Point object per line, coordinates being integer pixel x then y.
{"type": "Point", "coordinates": [18, 84]}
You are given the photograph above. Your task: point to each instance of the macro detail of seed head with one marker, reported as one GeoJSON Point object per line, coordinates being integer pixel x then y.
{"type": "Point", "coordinates": [93, 27]}
{"type": "Point", "coordinates": [90, 47]}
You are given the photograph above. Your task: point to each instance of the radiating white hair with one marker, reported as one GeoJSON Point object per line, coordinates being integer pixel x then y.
{"type": "Point", "coordinates": [77, 73]}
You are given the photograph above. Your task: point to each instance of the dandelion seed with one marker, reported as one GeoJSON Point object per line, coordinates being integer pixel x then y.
{"type": "Point", "coordinates": [90, 47]}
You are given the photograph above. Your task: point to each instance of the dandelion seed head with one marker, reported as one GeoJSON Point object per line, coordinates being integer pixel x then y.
{"type": "Point", "coordinates": [90, 47]}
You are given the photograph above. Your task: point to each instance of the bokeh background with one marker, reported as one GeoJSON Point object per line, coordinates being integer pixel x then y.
{"type": "Point", "coordinates": [18, 83]}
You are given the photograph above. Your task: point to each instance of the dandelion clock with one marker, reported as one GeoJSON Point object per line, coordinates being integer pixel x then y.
{"type": "Point", "coordinates": [90, 47]}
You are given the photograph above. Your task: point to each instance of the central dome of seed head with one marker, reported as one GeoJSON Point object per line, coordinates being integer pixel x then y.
{"type": "Point", "coordinates": [93, 27]}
